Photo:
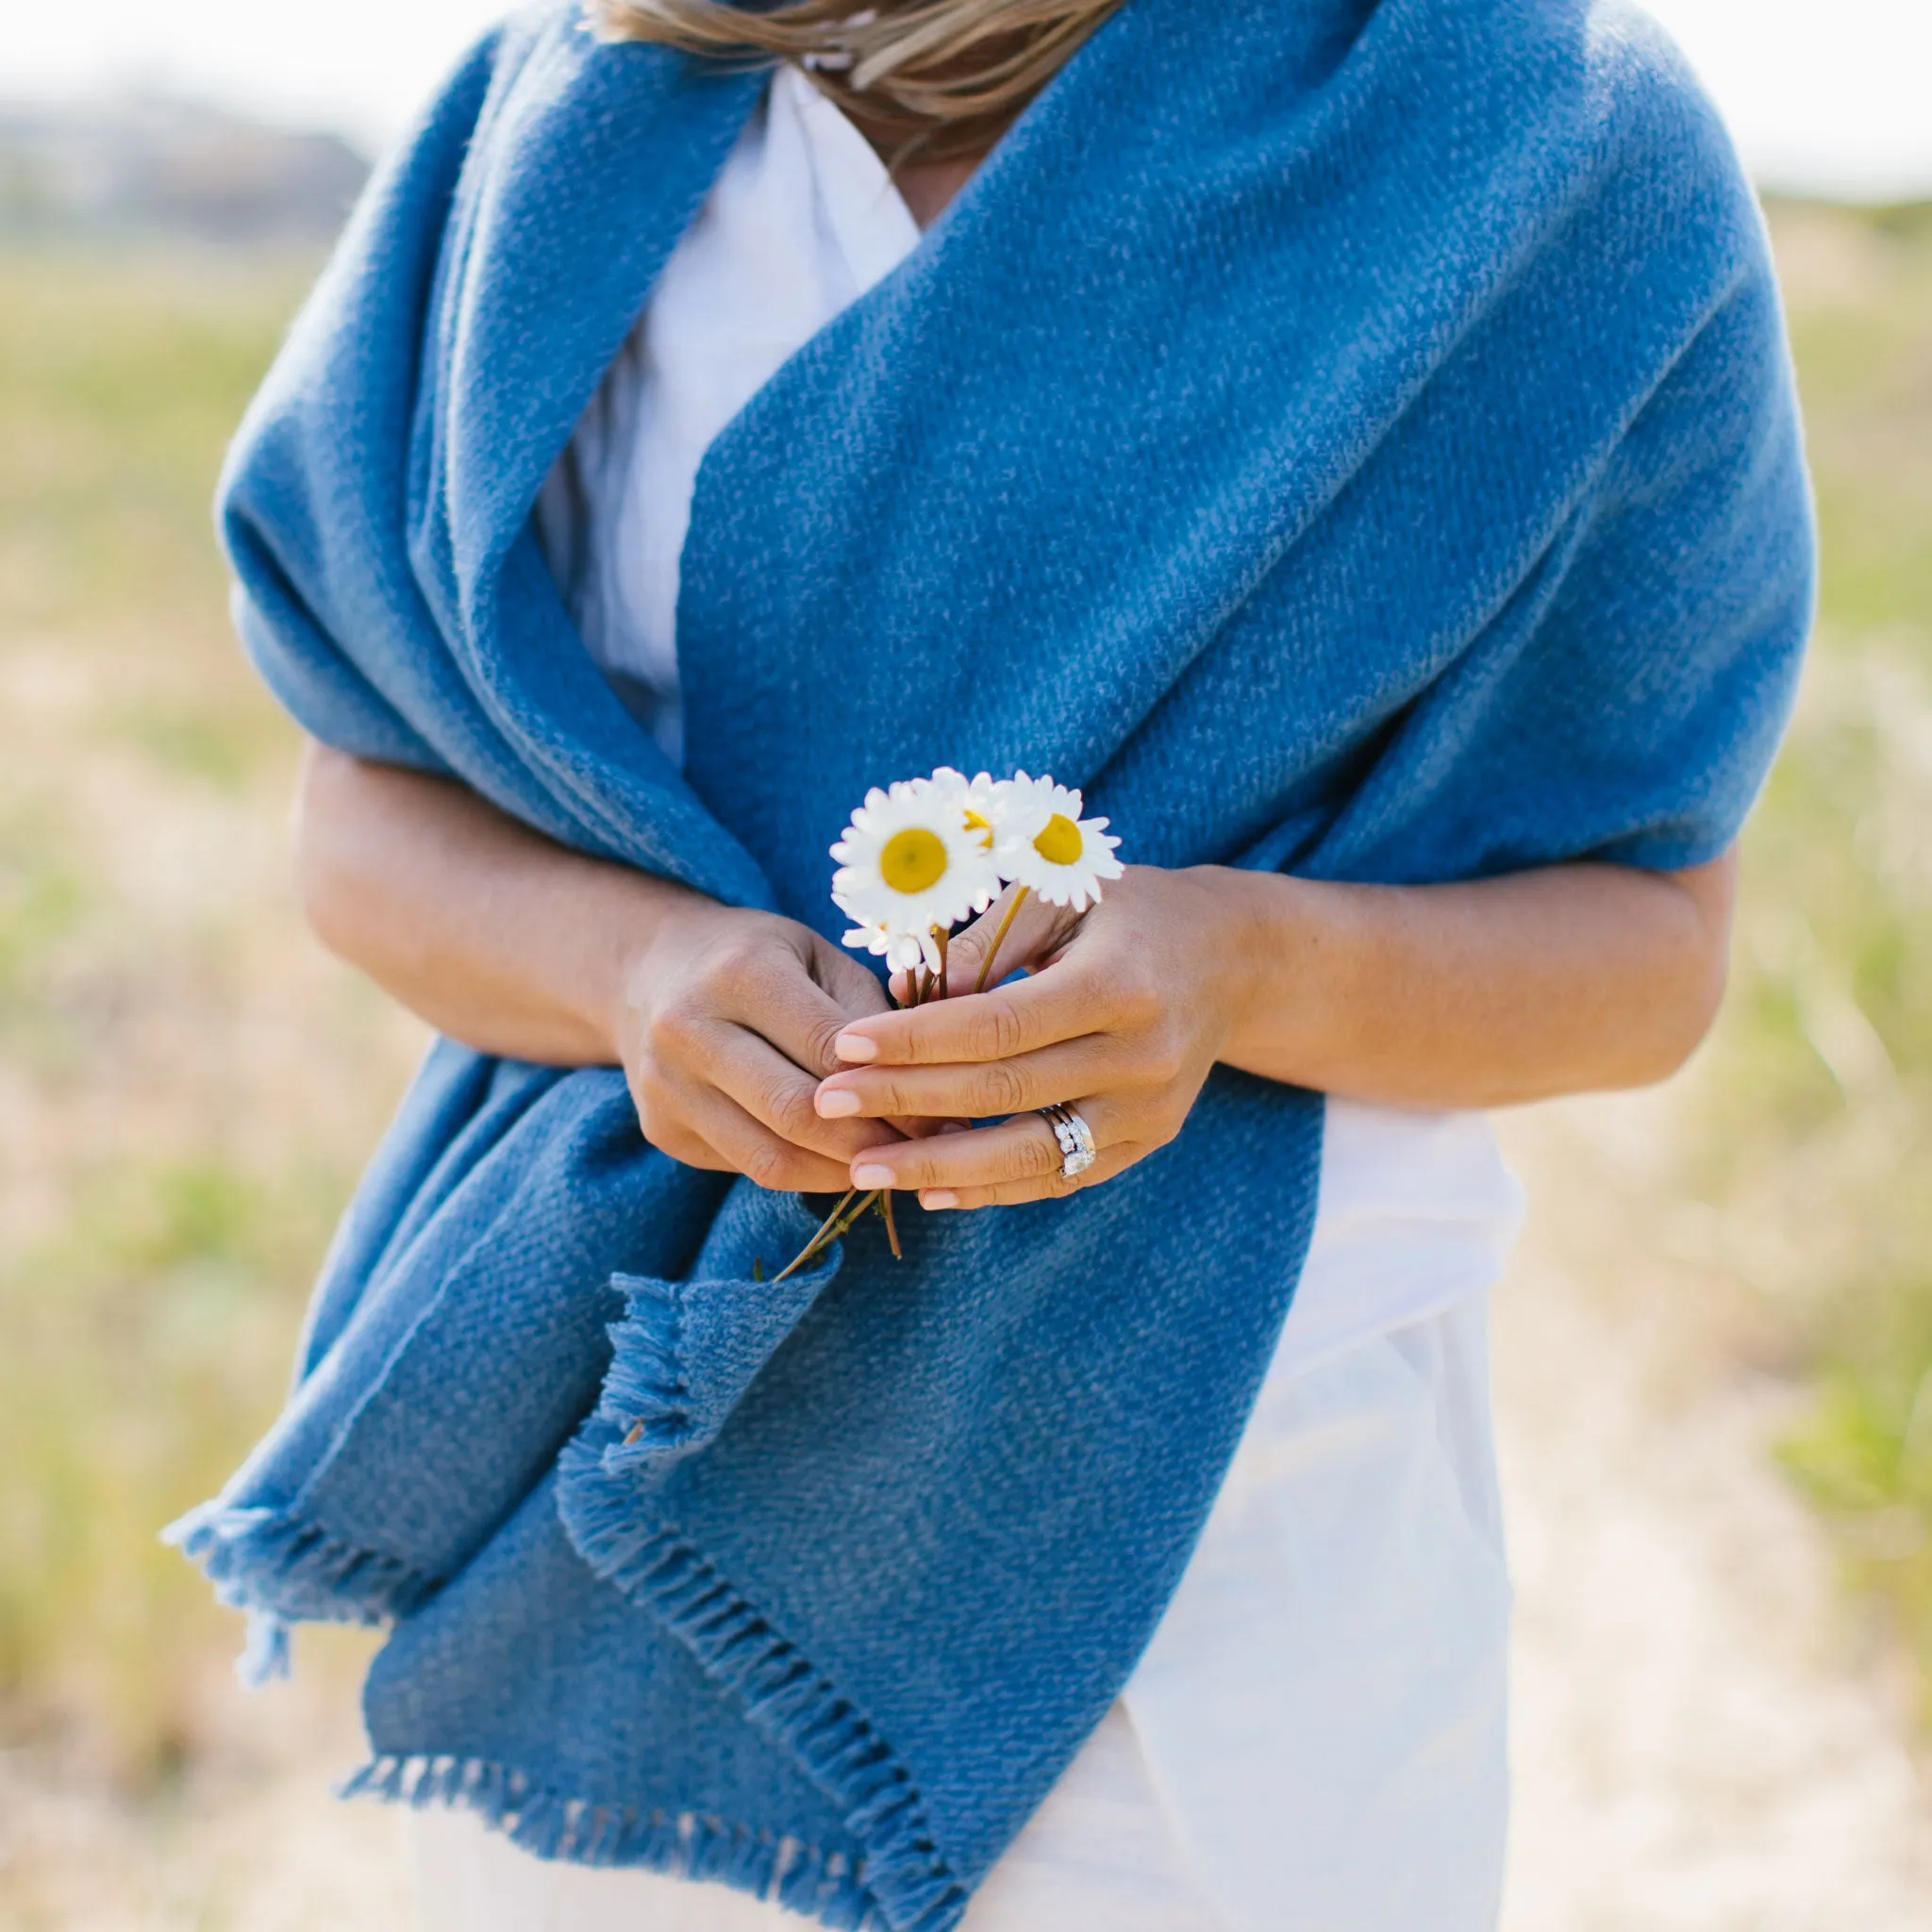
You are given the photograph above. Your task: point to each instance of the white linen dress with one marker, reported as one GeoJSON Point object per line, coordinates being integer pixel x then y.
{"type": "Point", "coordinates": [1315, 1740]}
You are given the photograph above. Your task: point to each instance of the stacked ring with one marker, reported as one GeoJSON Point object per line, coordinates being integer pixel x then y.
{"type": "Point", "coordinates": [1076, 1136]}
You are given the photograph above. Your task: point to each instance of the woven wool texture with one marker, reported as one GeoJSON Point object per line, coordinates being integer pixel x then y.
{"type": "Point", "coordinates": [1348, 438]}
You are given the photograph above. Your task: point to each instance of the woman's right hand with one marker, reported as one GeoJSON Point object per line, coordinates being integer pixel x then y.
{"type": "Point", "coordinates": [722, 1020]}
{"type": "Point", "coordinates": [725, 1030]}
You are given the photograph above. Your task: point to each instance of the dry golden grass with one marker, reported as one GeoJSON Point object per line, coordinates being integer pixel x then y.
{"type": "Point", "coordinates": [186, 1086]}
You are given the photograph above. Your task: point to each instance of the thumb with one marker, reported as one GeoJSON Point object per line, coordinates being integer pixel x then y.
{"type": "Point", "coordinates": [1014, 938]}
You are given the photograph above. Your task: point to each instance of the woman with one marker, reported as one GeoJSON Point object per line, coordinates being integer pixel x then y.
{"type": "Point", "coordinates": [1355, 441]}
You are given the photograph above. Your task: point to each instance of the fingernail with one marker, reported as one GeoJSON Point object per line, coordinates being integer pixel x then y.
{"type": "Point", "coordinates": [835, 1102]}
{"type": "Point", "coordinates": [954, 1128]}
{"type": "Point", "coordinates": [856, 1046]}
{"type": "Point", "coordinates": [869, 1176]}
{"type": "Point", "coordinates": [939, 1197]}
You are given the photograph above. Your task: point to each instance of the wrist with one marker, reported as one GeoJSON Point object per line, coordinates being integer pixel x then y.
{"type": "Point", "coordinates": [1231, 942]}
{"type": "Point", "coordinates": [650, 919]}
{"type": "Point", "coordinates": [1281, 947]}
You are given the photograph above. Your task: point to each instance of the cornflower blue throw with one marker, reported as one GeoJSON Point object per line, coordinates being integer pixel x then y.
{"type": "Point", "coordinates": [1344, 438]}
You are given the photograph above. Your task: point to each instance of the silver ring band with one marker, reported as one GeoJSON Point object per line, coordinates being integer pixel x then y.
{"type": "Point", "coordinates": [1075, 1138]}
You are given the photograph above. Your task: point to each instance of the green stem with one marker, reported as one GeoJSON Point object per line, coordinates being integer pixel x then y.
{"type": "Point", "coordinates": [998, 940]}
{"type": "Point", "coordinates": [827, 1232]}
{"type": "Point", "coordinates": [853, 1215]}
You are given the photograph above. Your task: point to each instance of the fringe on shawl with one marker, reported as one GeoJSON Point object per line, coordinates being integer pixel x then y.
{"type": "Point", "coordinates": [647, 1405]}
{"type": "Point", "coordinates": [645, 1395]}
{"type": "Point", "coordinates": [280, 1569]}
{"type": "Point", "coordinates": [781, 1692]}
{"type": "Point", "coordinates": [276, 1566]}
{"type": "Point", "coordinates": [825, 1885]}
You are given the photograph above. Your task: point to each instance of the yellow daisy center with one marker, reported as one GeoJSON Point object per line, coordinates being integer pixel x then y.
{"type": "Point", "coordinates": [975, 823]}
{"type": "Point", "coordinates": [1059, 843]}
{"type": "Point", "coordinates": [913, 860]}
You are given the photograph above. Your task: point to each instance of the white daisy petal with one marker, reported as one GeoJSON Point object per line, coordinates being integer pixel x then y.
{"type": "Point", "coordinates": [910, 864]}
{"type": "Point", "coordinates": [1046, 846]}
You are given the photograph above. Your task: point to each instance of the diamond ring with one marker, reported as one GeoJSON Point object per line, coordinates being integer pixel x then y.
{"type": "Point", "coordinates": [1074, 1135]}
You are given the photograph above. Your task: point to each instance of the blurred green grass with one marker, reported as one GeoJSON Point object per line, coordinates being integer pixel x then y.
{"type": "Point", "coordinates": [1812, 1111]}
{"type": "Point", "coordinates": [185, 1091]}
{"type": "Point", "coordinates": [186, 1088]}
{"type": "Point", "coordinates": [139, 1339]}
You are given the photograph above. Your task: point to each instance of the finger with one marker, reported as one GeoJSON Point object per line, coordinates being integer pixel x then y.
{"type": "Point", "coordinates": [687, 1149]}
{"type": "Point", "coordinates": [777, 1094]}
{"type": "Point", "coordinates": [799, 997]}
{"type": "Point", "coordinates": [851, 986]}
{"type": "Point", "coordinates": [1037, 931]}
{"type": "Point", "coordinates": [745, 1145]}
{"type": "Point", "coordinates": [1051, 1187]}
{"type": "Point", "coordinates": [1064, 1004]}
{"type": "Point", "coordinates": [1022, 1149]}
{"type": "Point", "coordinates": [975, 1089]}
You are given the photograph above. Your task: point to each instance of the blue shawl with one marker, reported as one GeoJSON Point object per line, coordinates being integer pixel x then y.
{"type": "Point", "coordinates": [1347, 437]}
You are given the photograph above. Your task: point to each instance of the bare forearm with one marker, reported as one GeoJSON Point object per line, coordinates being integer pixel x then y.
{"type": "Point", "coordinates": [1563, 980]}
{"type": "Point", "coordinates": [1460, 995]}
{"type": "Point", "coordinates": [490, 933]}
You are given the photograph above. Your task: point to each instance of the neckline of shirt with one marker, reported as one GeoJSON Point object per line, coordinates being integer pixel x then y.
{"type": "Point", "coordinates": [873, 228]}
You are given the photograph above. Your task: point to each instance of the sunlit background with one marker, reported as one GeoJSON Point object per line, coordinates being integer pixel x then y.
{"type": "Point", "coordinates": [1714, 1354]}
{"type": "Point", "coordinates": [1826, 96]}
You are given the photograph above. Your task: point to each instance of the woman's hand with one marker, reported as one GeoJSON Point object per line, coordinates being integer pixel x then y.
{"type": "Point", "coordinates": [1484, 994]}
{"type": "Point", "coordinates": [727, 1022]}
{"type": "Point", "coordinates": [1126, 1010]}
{"type": "Point", "coordinates": [721, 1020]}
{"type": "Point", "coordinates": [722, 1013]}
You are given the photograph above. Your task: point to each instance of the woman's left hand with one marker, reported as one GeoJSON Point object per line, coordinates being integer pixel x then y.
{"type": "Point", "coordinates": [1124, 1011]}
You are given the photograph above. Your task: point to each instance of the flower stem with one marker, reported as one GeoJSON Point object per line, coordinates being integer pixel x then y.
{"type": "Point", "coordinates": [891, 1226]}
{"type": "Point", "coordinates": [853, 1214]}
{"type": "Point", "coordinates": [827, 1232]}
{"type": "Point", "coordinates": [998, 939]}
{"type": "Point", "coordinates": [938, 933]}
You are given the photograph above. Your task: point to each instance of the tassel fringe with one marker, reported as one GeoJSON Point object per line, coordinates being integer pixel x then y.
{"type": "Point", "coordinates": [825, 1885]}
{"type": "Point", "coordinates": [903, 1874]}
{"type": "Point", "coordinates": [645, 1398]}
{"type": "Point", "coordinates": [284, 1569]}
{"type": "Point", "coordinates": [279, 1567]}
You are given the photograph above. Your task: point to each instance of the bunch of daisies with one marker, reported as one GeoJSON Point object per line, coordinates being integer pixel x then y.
{"type": "Point", "coordinates": [921, 855]}
{"type": "Point", "coordinates": [926, 852]}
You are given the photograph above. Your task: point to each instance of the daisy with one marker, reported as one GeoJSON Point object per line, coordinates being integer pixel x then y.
{"type": "Point", "coordinates": [989, 805]}
{"type": "Point", "coordinates": [902, 952]}
{"type": "Point", "coordinates": [1043, 844]}
{"type": "Point", "coordinates": [985, 803]}
{"type": "Point", "coordinates": [909, 863]}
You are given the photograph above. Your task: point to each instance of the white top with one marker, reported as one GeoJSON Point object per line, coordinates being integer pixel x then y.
{"type": "Point", "coordinates": [801, 223]}
{"type": "Point", "coordinates": [1319, 1718]}
{"type": "Point", "coordinates": [1314, 1741]}
{"type": "Point", "coordinates": [1416, 1210]}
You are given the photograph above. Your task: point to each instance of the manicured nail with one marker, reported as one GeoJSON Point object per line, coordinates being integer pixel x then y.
{"type": "Point", "coordinates": [856, 1046]}
{"type": "Point", "coordinates": [871, 1177]}
{"type": "Point", "coordinates": [835, 1102]}
{"type": "Point", "coordinates": [939, 1197]}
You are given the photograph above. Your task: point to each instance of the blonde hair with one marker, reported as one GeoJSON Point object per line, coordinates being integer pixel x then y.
{"type": "Point", "coordinates": [935, 77]}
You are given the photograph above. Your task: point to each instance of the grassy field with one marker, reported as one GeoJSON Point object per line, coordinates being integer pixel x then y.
{"type": "Point", "coordinates": [187, 1087]}
{"type": "Point", "coordinates": [1811, 1112]}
